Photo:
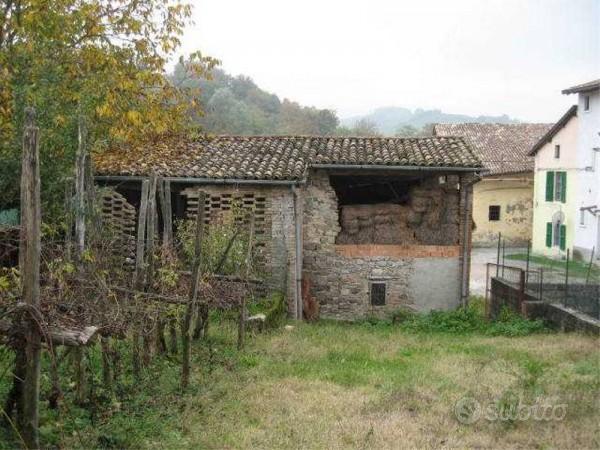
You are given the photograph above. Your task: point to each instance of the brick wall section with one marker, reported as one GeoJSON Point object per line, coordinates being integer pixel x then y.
{"type": "Point", "coordinates": [399, 251]}
{"type": "Point", "coordinates": [278, 239]}
{"type": "Point", "coordinates": [341, 283]}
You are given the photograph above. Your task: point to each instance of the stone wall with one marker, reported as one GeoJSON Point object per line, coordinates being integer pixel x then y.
{"type": "Point", "coordinates": [341, 281]}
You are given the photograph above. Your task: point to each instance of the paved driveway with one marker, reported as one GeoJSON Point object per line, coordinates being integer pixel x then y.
{"type": "Point", "coordinates": [479, 258]}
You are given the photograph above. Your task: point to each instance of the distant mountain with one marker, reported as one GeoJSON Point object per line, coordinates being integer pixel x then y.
{"type": "Point", "coordinates": [389, 119]}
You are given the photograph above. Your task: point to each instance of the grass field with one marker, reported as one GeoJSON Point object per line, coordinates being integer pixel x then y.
{"type": "Point", "coordinates": [334, 385]}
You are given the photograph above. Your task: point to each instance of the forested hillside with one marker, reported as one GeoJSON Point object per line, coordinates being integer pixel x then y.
{"type": "Point", "coordinates": [236, 105]}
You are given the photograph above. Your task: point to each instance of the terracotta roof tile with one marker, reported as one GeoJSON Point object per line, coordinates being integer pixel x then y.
{"type": "Point", "coordinates": [279, 157]}
{"type": "Point", "coordinates": [503, 148]}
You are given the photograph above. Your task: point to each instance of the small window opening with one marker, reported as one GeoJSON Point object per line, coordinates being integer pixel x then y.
{"type": "Point", "coordinates": [582, 216]}
{"type": "Point", "coordinates": [378, 294]}
{"type": "Point", "coordinates": [557, 151]}
{"type": "Point", "coordinates": [494, 213]}
{"type": "Point", "coordinates": [586, 103]}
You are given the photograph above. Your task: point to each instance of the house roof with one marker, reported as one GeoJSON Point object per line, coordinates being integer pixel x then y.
{"type": "Point", "coordinates": [584, 87]}
{"type": "Point", "coordinates": [503, 148]}
{"type": "Point", "coordinates": [571, 112]}
{"type": "Point", "coordinates": [279, 157]}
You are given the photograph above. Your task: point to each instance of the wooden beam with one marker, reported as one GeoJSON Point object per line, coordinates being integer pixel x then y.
{"type": "Point", "coordinates": [29, 251]}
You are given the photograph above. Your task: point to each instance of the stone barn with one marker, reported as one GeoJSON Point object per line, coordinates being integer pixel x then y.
{"type": "Point", "coordinates": [346, 227]}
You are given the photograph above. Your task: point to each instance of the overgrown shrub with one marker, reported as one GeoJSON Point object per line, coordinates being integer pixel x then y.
{"type": "Point", "coordinates": [215, 240]}
{"type": "Point", "coordinates": [466, 320]}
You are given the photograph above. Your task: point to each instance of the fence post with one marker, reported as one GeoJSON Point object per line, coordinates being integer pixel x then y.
{"type": "Point", "coordinates": [522, 293]}
{"type": "Point", "coordinates": [587, 277]}
{"type": "Point", "coordinates": [567, 278]}
{"type": "Point", "coordinates": [186, 332]}
{"type": "Point", "coordinates": [498, 255]}
{"type": "Point", "coordinates": [242, 317]}
{"type": "Point", "coordinates": [487, 293]}
{"type": "Point", "coordinates": [80, 189]}
{"type": "Point", "coordinates": [164, 195]}
{"type": "Point", "coordinates": [138, 277]}
{"type": "Point", "coordinates": [29, 251]}
{"type": "Point", "coordinates": [527, 263]}
{"type": "Point", "coordinates": [503, 255]}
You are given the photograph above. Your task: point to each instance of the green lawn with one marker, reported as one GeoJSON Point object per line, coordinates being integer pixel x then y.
{"type": "Point", "coordinates": [334, 385]}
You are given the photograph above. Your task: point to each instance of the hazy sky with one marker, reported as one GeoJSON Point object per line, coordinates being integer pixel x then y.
{"type": "Point", "coordinates": [461, 56]}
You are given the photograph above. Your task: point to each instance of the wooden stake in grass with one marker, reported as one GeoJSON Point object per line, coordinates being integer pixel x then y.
{"type": "Point", "coordinates": [29, 252]}
{"type": "Point", "coordinates": [186, 332]}
{"type": "Point", "coordinates": [139, 271]}
{"type": "Point", "coordinates": [242, 317]}
{"type": "Point", "coordinates": [149, 338]}
{"type": "Point", "coordinates": [80, 209]}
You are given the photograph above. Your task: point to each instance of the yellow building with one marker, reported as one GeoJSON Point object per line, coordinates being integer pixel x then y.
{"type": "Point", "coordinates": [503, 199]}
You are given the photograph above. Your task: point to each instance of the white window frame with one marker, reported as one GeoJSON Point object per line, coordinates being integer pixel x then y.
{"type": "Point", "coordinates": [586, 103]}
{"type": "Point", "coordinates": [557, 151]}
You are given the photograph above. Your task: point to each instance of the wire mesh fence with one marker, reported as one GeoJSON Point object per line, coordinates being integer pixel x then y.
{"type": "Point", "coordinates": [571, 282]}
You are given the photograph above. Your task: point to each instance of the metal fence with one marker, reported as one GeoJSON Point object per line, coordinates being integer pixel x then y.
{"type": "Point", "coordinates": [571, 283]}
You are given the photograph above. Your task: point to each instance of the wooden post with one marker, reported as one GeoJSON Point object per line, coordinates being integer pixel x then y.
{"type": "Point", "coordinates": [68, 219]}
{"type": "Point", "coordinates": [80, 189]}
{"type": "Point", "coordinates": [186, 332]}
{"type": "Point", "coordinates": [151, 230]}
{"type": "Point", "coordinates": [140, 242]}
{"type": "Point", "coordinates": [164, 187]}
{"type": "Point", "coordinates": [223, 258]}
{"type": "Point", "coordinates": [242, 318]}
{"type": "Point", "coordinates": [151, 224]}
{"type": "Point", "coordinates": [139, 271]}
{"type": "Point", "coordinates": [90, 196]}
{"type": "Point", "coordinates": [29, 251]}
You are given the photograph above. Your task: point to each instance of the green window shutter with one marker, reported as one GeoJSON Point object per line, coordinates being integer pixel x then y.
{"type": "Point", "coordinates": [563, 186]}
{"type": "Point", "coordinates": [563, 237]}
{"type": "Point", "coordinates": [549, 234]}
{"type": "Point", "coordinates": [549, 186]}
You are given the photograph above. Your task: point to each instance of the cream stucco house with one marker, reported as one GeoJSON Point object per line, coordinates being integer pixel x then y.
{"type": "Point", "coordinates": [502, 200]}
{"type": "Point", "coordinates": [567, 180]}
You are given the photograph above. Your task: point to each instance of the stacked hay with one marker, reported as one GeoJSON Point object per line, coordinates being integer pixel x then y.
{"type": "Point", "coordinates": [381, 223]}
{"type": "Point", "coordinates": [419, 222]}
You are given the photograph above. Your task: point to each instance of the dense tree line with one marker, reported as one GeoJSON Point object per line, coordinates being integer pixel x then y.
{"type": "Point", "coordinates": [236, 105]}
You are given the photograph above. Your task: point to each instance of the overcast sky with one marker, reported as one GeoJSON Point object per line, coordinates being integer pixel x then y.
{"type": "Point", "coordinates": [462, 56]}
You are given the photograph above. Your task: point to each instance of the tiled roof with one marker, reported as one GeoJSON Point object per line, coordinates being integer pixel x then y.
{"type": "Point", "coordinates": [278, 157]}
{"type": "Point", "coordinates": [584, 87]}
{"type": "Point", "coordinates": [503, 148]}
{"type": "Point", "coordinates": [425, 152]}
